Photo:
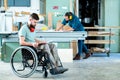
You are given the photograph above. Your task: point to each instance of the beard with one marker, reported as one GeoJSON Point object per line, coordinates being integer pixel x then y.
{"type": "Point", "coordinates": [32, 26]}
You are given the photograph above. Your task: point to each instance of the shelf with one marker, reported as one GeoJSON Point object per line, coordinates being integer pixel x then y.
{"type": "Point", "coordinates": [99, 41]}
{"type": "Point", "coordinates": [103, 27]}
{"type": "Point", "coordinates": [99, 33]}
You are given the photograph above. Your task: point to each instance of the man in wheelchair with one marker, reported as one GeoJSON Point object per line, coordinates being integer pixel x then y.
{"type": "Point", "coordinates": [27, 37]}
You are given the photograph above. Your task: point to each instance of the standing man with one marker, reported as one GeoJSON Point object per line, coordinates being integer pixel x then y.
{"type": "Point", "coordinates": [27, 37]}
{"type": "Point", "coordinates": [75, 25]}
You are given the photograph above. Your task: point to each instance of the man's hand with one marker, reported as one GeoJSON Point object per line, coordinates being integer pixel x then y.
{"type": "Point", "coordinates": [42, 42]}
{"type": "Point", "coordinates": [35, 45]}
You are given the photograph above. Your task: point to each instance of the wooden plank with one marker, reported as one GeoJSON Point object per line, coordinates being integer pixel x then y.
{"type": "Point", "coordinates": [17, 13]}
{"type": "Point", "coordinates": [50, 20]}
{"type": "Point", "coordinates": [5, 4]}
{"type": "Point", "coordinates": [99, 33]}
{"type": "Point", "coordinates": [44, 15]}
{"type": "Point", "coordinates": [74, 47]}
{"type": "Point", "coordinates": [104, 27]}
{"type": "Point", "coordinates": [25, 13]}
{"type": "Point", "coordinates": [105, 33]}
{"type": "Point", "coordinates": [99, 41]}
{"type": "Point", "coordinates": [97, 49]}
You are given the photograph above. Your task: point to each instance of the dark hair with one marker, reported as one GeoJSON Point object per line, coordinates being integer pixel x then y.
{"type": "Point", "coordinates": [68, 14]}
{"type": "Point", "coordinates": [34, 16]}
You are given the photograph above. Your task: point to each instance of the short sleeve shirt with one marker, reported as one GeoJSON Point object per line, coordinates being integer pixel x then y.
{"type": "Point", "coordinates": [25, 32]}
{"type": "Point", "coordinates": [74, 23]}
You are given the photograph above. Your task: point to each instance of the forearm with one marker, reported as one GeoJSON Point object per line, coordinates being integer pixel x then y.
{"type": "Point", "coordinates": [26, 43]}
{"type": "Point", "coordinates": [70, 29]}
{"type": "Point", "coordinates": [59, 28]}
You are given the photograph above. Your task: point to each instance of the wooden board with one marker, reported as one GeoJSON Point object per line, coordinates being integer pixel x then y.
{"type": "Point", "coordinates": [5, 4]}
{"type": "Point", "coordinates": [99, 41]}
{"type": "Point", "coordinates": [104, 27]}
{"type": "Point", "coordinates": [99, 33]}
{"type": "Point", "coordinates": [74, 47]}
{"type": "Point", "coordinates": [49, 20]}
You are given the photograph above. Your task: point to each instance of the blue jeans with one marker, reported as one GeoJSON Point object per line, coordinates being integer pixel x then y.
{"type": "Point", "coordinates": [82, 47]}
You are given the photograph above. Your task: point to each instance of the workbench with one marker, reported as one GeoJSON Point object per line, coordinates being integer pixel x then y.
{"type": "Point", "coordinates": [5, 35]}
{"type": "Point", "coordinates": [11, 42]}
{"type": "Point", "coordinates": [60, 36]}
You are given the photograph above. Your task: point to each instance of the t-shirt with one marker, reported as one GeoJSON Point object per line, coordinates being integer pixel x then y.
{"type": "Point", "coordinates": [25, 32]}
{"type": "Point", "coordinates": [74, 23]}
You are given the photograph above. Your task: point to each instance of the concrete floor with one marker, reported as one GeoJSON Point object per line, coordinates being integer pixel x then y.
{"type": "Point", "coordinates": [97, 67]}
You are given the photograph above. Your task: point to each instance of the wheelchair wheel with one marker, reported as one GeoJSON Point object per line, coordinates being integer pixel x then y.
{"type": "Point", "coordinates": [24, 61]}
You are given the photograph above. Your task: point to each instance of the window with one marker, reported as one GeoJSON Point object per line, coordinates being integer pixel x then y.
{"type": "Point", "coordinates": [19, 3]}
{"type": "Point", "coordinates": [1, 3]}
{"type": "Point", "coordinates": [42, 7]}
{"type": "Point", "coordinates": [22, 3]}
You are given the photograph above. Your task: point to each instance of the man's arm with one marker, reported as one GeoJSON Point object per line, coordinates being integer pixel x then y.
{"type": "Point", "coordinates": [69, 29]}
{"type": "Point", "coordinates": [23, 42]}
{"type": "Point", "coordinates": [59, 28]}
{"type": "Point", "coordinates": [34, 44]}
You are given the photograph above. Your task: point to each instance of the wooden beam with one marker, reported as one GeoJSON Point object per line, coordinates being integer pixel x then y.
{"type": "Point", "coordinates": [104, 27]}
{"type": "Point", "coordinates": [100, 33]}
{"type": "Point", "coordinates": [99, 41]}
{"type": "Point", "coordinates": [50, 20]}
{"type": "Point", "coordinates": [74, 47]}
{"type": "Point", "coordinates": [6, 4]}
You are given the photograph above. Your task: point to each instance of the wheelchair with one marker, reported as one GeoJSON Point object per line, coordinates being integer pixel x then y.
{"type": "Point", "coordinates": [25, 60]}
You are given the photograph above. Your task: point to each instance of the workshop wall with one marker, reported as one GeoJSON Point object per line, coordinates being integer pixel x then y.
{"type": "Point", "coordinates": [112, 18]}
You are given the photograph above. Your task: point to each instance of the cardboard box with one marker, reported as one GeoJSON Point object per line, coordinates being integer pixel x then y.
{"type": "Point", "coordinates": [65, 55]}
